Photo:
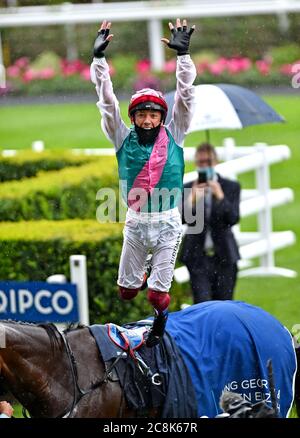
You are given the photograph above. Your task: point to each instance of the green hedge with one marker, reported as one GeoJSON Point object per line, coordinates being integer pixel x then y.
{"type": "Point", "coordinates": [35, 250]}
{"type": "Point", "coordinates": [28, 164]}
{"type": "Point", "coordinates": [56, 195]}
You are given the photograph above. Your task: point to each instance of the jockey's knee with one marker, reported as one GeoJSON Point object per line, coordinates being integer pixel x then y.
{"type": "Point", "coordinates": [127, 294]}
{"type": "Point", "coordinates": [159, 300]}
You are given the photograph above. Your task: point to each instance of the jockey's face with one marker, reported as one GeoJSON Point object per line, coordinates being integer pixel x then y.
{"type": "Point", "coordinates": [147, 119]}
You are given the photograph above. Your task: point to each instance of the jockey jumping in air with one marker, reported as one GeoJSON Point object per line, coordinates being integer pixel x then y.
{"type": "Point", "coordinates": [151, 167]}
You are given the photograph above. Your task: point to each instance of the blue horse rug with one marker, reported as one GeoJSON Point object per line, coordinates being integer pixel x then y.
{"type": "Point", "coordinates": [226, 346]}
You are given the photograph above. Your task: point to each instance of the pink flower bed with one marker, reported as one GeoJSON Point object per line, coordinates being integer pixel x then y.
{"type": "Point", "coordinates": [22, 70]}
{"type": "Point", "coordinates": [232, 66]}
{"type": "Point", "coordinates": [237, 65]}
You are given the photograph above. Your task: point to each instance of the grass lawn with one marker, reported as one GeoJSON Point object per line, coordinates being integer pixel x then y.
{"type": "Point", "coordinates": [77, 125]}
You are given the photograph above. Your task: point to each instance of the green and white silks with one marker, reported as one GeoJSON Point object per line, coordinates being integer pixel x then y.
{"type": "Point", "coordinates": [151, 176]}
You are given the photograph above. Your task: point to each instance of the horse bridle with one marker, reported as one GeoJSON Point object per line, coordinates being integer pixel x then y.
{"type": "Point", "coordinates": [78, 392]}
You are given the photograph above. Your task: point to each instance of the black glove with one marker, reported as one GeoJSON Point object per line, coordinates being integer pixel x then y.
{"type": "Point", "coordinates": [101, 43]}
{"type": "Point", "coordinates": [180, 39]}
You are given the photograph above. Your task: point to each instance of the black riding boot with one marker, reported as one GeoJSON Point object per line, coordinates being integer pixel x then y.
{"type": "Point", "coordinates": [158, 328]}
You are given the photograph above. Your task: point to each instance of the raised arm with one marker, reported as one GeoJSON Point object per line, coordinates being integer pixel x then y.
{"type": "Point", "coordinates": [112, 124]}
{"type": "Point", "coordinates": [185, 74]}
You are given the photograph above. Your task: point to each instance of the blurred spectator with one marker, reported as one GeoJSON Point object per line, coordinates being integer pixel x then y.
{"type": "Point", "coordinates": [6, 410]}
{"type": "Point", "coordinates": [211, 256]}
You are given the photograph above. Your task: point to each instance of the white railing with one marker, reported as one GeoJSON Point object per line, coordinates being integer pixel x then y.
{"type": "Point", "coordinates": [144, 10]}
{"type": "Point", "coordinates": [260, 201]}
{"type": "Point", "coordinates": [153, 12]}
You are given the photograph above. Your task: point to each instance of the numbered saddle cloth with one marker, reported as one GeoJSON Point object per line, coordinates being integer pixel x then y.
{"type": "Point", "coordinates": [129, 339]}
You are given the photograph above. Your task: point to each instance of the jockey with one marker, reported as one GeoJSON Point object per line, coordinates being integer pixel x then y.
{"type": "Point", "coordinates": [151, 167]}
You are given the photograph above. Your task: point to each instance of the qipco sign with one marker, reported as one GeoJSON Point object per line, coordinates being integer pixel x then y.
{"type": "Point", "coordinates": [38, 301]}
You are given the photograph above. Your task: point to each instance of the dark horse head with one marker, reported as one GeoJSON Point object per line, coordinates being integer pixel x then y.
{"type": "Point", "coordinates": [37, 365]}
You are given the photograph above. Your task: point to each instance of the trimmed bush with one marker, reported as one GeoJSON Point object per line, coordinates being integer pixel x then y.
{"type": "Point", "coordinates": [286, 54]}
{"type": "Point", "coordinates": [28, 164]}
{"type": "Point", "coordinates": [56, 195]}
{"type": "Point", "coordinates": [34, 250]}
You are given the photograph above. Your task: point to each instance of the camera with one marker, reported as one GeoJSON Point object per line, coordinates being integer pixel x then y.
{"type": "Point", "coordinates": [205, 175]}
{"type": "Point", "coordinates": [202, 176]}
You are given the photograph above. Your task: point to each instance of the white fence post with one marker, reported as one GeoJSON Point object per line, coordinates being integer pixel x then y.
{"type": "Point", "coordinates": [265, 223]}
{"type": "Point", "coordinates": [79, 277]}
{"type": "Point", "coordinates": [2, 68]}
{"type": "Point", "coordinates": [229, 154]}
{"type": "Point", "coordinates": [70, 33]}
{"type": "Point", "coordinates": [156, 48]}
{"type": "Point", "coordinates": [229, 149]}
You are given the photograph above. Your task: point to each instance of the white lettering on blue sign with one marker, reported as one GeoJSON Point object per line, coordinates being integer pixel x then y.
{"type": "Point", "coordinates": [43, 301]}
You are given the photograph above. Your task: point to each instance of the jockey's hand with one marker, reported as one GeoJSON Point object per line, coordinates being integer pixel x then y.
{"type": "Point", "coordinates": [180, 38]}
{"type": "Point", "coordinates": [102, 39]}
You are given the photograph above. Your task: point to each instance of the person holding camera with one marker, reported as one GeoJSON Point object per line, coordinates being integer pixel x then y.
{"type": "Point", "coordinates": [211, 255]}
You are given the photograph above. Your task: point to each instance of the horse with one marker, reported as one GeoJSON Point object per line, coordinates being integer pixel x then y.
{"type": "Point", "coordinates": [46, 371]}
